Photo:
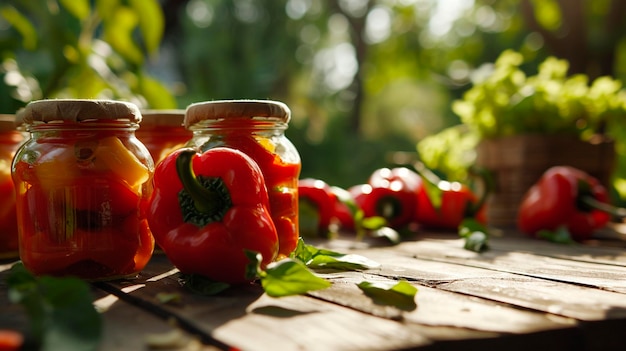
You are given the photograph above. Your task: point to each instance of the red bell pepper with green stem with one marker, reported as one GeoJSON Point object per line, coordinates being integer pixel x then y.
{"type": "Point", "coordinates": [208, 209]}
{"type": "Point", "coordinates": [391, 194]}
{"type": "Point", "coordinates": [566, 197]}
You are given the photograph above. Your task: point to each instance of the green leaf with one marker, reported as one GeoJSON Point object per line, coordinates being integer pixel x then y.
{"type": "Point", "coordinates": [106, 8]}
{"type": "Point", "coordinates": [321, 258]}
{"type": "Point", "coordinates": [151, 22]}
{"type": "Point", "coordinates": [166, 298]}
{"type": "Point", "coordinates": [373, 223]}
{"type": "Point", "coordinates": [387, 232]}
{"type": "Point", "coordinates": [118, 32]}
{"type": "Point", "coordinates": [289, 277]}
{"type": "Point", "coordinates": [202, 285]}
{"type": "Point", "coordinates": [22, 25]}
{"type": "Point", "coordinates": [560, 236]}
{"type": "Point", "coordinates": [60, 310]}
{"type": "Point", "coordinates": [400, 295]}
{"type": "Point", "coordinates": [78, 8]}
{"type": "Point", "coordinates": [475, 234]}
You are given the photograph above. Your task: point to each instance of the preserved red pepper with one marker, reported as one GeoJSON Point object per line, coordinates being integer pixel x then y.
{"type": "Point", "coordinates": [257, 128]}
{"type": "Point", "coordinates": [82, 186]}
{"type": "Point", "coordinates": [10, 140]}
{"type": "Point", "coordinates": [162, 131]}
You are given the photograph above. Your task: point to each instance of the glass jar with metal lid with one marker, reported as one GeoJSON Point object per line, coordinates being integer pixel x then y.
{"type": "Point", "coordinates": [10, 140]}
{"type": "Point", "coordinates": [82, 184]}
{"type": "Point", "coordinates": [256, 127]}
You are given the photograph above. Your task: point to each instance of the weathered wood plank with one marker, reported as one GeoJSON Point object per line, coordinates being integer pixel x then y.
{"type": "Point", "coordinates": [441, 314]}
{"type": "Point", "coordinates": [565, 288]}
{"type": "Point", "coordinates": [600, 275]}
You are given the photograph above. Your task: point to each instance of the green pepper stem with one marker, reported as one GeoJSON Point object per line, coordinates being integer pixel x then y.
{"type": "Point", "coordinates": [593, 203]}
{"type": "Point", "coordinates": [205, 200]}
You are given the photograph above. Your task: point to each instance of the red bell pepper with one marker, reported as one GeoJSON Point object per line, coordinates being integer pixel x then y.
{"type": "Point", "coordinates": [444, 205]}
{"type": "Point", "coordinates": [565, 197]}
{"type": "Point", "coordinates": [391, 194]}
{"type": "Point", "coordinates": [316, 205]}
{"type": "Point", "coordinates": [207, 209]}
{"type": "Point", "coordinates": [281, 179]}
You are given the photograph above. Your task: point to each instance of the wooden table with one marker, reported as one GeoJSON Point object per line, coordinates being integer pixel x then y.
{"type": "Point", "coordinates": [521, 294]}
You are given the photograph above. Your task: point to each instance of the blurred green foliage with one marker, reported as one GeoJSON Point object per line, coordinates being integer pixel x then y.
{"type": "Point", "coordinates": [80, 49]}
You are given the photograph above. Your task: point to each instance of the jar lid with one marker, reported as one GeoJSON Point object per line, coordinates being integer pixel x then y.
{"type": "Point", "coordinates": [173, 117]}
{"type": "Point", "coordinates": [78, 110]}
{"type": "Point", "coordinates": [232, 109]}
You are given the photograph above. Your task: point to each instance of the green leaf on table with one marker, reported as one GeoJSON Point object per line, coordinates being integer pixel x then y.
{"type": "Point", "coordinates": [202, 285]}
{"type": "Point", "coordinates": [60, 310]}
{"type": "Point", "coordinates": [475, 234]}
{"type": "Point", "coordinates": [401, 295]}
{"type": "Point", "coordinates": [314, 257]}
{"type": "Point", "coordinates": [168, 298]}
{"type": "Point", "coordinates": [560, 236]}
{"type": "Point", "coordinates": [387, 232]}
{"type": "Point", "coordinates": [290, 277]}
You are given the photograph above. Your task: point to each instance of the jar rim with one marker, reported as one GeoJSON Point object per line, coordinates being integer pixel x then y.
{"type": "Point", "coordinates": [268, 110]}
{"type": "Point", "coordinates": [78, 110]}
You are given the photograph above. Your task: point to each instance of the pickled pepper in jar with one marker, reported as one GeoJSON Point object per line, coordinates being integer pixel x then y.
{"type": "Point", "coordinates": [10, 140]}
{"type": "Point", "coordinates": [82, 183]}
{"type": "Point", "coordinates": [256, 127]}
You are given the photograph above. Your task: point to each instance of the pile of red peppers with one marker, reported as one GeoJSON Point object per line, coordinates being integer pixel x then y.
{"type": "Point", "coordinates": [401, 197]}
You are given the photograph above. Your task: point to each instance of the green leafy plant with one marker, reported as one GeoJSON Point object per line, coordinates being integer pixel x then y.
{"type": "Point", "coordinates": [509, 102]}
{"type": "Point", "coordinates": [506, 101]}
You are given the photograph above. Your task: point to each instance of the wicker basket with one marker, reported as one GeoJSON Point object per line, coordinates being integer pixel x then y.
{"type": "Point", "coordinates": [517, 162]}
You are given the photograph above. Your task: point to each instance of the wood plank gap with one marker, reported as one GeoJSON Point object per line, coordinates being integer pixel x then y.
{"type": "Point", "coordinates": [521, 274]}
{"type": "Point", "coordinates": [162, 313]}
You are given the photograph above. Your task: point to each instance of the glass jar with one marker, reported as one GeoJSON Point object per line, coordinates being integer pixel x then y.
{"type": "Point", "coordinates": [162, 131]}
{"type": "Point", "coordinates": [10, 140]}
{"type": "Point", "coordinates": [82, 182]}
{"type": "Point", "coordinates": [256, 127]}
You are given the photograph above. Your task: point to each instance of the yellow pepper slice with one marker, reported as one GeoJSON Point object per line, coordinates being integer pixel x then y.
{"type": "Point", "coordinates": [113, 155]}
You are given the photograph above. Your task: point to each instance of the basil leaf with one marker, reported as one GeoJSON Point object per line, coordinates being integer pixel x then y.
{"type": "Point", "coordinates": [60, 310]}
{"type": "Point", "coordinates": [475, 234]}
{"type": "Point", "coordinates": [202, 285]}
{"type": "Point", "coordinates": [373, 223]}
{"type": "Point", "coordinates": [560, 236]}
{"type": "Point", "coordinates": [387, 232]}
{"type": "Point", "coordinates": [347, 262]}
{"type": "Point", "coordinates": [290, 277]}
{"type": "Point", "coordinates": [313, 257]}
{"type": "Point", "coordinates": [400, 295]}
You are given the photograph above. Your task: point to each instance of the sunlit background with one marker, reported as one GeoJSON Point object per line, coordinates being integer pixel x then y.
{"type": "Point", "coordinates": [364, 78]}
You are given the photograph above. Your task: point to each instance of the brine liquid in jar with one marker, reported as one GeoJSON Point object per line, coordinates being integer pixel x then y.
{"type": "Point", "coordinates": [82, 185]}
{"type": "Point", "coordinates": [257, 128]}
